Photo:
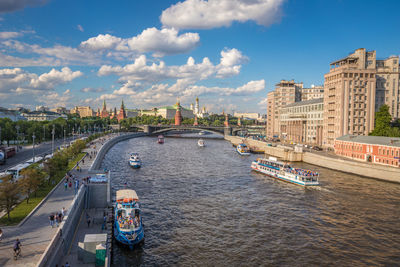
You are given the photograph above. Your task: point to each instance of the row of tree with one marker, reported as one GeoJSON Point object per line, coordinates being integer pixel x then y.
{"type": "Point", "coordinates": [213, 120]}
{"type": "Point", "coordinates": [35, 176]}
{"type": "Point", "coordinates": [24, 130]}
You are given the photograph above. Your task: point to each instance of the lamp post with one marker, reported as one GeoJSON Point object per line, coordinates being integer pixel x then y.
{"type": "Point", "coordinates": [33, 140]}
{"type": "Point", "coordinates": [17, 127]}
{"type": "Point", "coordinates": [44, 132]}
{"type": "Point", "coordinates": [64, 136]}
{"type": "Point", "coordinates": [52, 140]}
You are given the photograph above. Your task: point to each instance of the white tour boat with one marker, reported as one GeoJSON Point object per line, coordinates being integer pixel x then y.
{"type": "Point", "coordinates": [283, 171]}
{"type": "Point", "coordinates": [134, 161]}
{"type": "Point", "coordinates": [201, 143]}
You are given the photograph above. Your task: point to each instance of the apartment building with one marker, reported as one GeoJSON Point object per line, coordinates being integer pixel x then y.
{"type": "Point", "coordinates": [349, 96]}
{"type": "Point", "coordinates": [387, 85]}
{"type": "Point", "coordinates": [302, 122]}
{"type": "Point", "coordinates": [286, 92]}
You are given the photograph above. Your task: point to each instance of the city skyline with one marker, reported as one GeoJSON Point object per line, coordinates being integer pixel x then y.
{"type": "Point", "coordinates": [151, 53]}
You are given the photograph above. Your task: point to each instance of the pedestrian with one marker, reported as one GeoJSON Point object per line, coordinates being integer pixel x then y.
{"type": "Point", "coordinates": [67, 264]}
{"type": "Point", "coordinates": [83, 161]}
{"type": "Point", "coordinates": [60, 217]}
{"type": "Point", "coordinates": [56, 219]}
{"type": "Point", "coordinates": [51, 218]}
{"type": "Point", "coordinates": [88, 220]}
{"type": "Point", "coordinates": [104, 226]}
{"type": "Point", "coordinates": [65, 185]}
{"type": "Point", "coordinates": [63, 212]}
{"type": "Point", "coordinates": [70, 184]}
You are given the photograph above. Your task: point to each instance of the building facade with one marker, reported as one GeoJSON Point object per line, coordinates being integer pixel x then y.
{"type": "Point", "coordinates": [286, 92]}
{"type": "Point", "coordinates": [349, 96]}
{"type": "Point", "coordinates": [314, 92]}
{"type": "Point", "coordinates": [43, 115]}
{"type": "Point", "coordinates": [302, 122]}
{"type": "Point", "coordinates": [375, 149]}
{"type": "Point", "coordinates": [387, 85]}
{"type": "Point", "coordinates": [13, 115]}
{"type": "Point", "coordinates": [83, 112]}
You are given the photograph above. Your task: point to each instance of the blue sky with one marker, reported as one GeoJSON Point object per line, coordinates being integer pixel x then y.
{"type": "Point", "coordinates": [150, 53]}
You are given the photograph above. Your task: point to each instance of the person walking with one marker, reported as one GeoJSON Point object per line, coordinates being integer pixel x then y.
{"type": "Point", "coordinates": [60, 217]}
{"type": "Point", "coordinates": [17, 249]}
{"type": "Point", "coordinates": [65, 185]}
{"type": "Point", "coordinates": [51, 218]}
{"type": "Point", "coordinates": [88, 220]}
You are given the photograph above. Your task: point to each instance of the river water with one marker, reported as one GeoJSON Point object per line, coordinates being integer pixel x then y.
{"type": "Point", "coordinates": [204, 206]}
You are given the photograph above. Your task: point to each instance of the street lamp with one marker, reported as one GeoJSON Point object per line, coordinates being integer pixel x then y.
{"type": "Point", "coordinates": [52, 140]}
{"type": "Point", "coordinates": [17, 127]}
{"type": "Point", "coordinates": [33, 139]}
{"type": "Point", "coordinates": [44, 132]}
{"type": "Point", "coordinates": [64, 136]}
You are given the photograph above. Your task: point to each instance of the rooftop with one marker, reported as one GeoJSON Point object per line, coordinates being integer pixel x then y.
{"type": "Point", "coordinates": [304, 103]}
{"type": "Point", "coordinates": [372, 140]}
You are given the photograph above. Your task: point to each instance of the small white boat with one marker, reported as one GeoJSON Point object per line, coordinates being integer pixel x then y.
{"type": "Point", "coordinates": [243, 150]}
{"type": "Point", "coordinates": [202, 132]}
{"type": "Point", "coordinates": [201, 143]}
{"type": "Point", "coordinates": [134, 161]}
{"type": "Point", "coordinates": [283, 171]}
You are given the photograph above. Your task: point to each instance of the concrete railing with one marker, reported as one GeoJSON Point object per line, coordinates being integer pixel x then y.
{"type": "Point", "coordinates": [109, 144]}
{"type": "Point", "coordinates": [63, 238]}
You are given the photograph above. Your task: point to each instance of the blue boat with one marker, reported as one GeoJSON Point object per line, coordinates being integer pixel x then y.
{"type": "Point", "coordinates": [128, 227]}
{"type": "Point", "coordinates": [134, 161]}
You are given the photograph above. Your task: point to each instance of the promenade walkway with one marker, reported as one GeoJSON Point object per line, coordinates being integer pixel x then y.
{"type": "Point", "coordinates": [36, 233]}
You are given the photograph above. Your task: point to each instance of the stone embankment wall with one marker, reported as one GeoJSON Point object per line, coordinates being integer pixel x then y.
{"type": "Point", "coordinates": [110, 143]}
{"type": "Point", "coordinates": [281, 152]}
{"type": "Point", "coordinates": [359, 168]}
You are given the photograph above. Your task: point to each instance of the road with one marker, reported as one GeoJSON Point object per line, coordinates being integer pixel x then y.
{"type": "Point", "coordinates": [27, 153]}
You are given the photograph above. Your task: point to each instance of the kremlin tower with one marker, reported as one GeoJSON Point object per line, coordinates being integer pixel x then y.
{"type": "Point", "coordinates": [178, 115]}
{"type": "Point", "coordinates": [195, 121]}
{"type": "Point", "coordinates": [122, 113]}
{"type": "Point", "coordinates": [104, 113]}
{"type": "Point", "coordinates": [226, 122]}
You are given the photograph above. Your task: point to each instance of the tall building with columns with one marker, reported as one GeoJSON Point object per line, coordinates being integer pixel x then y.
{"type": "Point", "coordinates": [349, 96]}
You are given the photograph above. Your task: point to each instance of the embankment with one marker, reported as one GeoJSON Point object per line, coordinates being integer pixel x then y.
{"type": "Point", "coordinates": [365, 169]}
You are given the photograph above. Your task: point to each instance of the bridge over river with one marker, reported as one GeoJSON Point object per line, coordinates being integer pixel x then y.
{"type": "Point", "coordinates": [222, 130]}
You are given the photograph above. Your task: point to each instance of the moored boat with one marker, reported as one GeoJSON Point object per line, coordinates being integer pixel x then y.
{"type": "Point", "coordinates": [243, 149]}
{"type": "Point", "coordinates": [160, 139]}
{"type": "Point", "coordinates": [134, 161]}
{"type": "Point", "coordinates": [128, 227]}
{"type": "Point", "coordinates": [283, 171]}
{"type": "Point", "coordinates": [201, 143]}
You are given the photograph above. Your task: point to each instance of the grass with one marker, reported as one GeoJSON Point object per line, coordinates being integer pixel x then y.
{"type": "Point", "coordinates": [23, 209]}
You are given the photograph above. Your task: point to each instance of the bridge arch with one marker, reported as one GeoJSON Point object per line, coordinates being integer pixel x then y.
{"type": "Point", "coordinates": [187, 128]}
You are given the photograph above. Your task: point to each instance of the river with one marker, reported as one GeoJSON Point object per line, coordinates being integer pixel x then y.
{"type": "Point", "coordinates": [204, 206]}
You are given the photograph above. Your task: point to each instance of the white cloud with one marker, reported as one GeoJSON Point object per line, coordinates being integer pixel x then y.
{"type": "Point", "coordinates": [101, 42]}
{"type": "Point", "coordinates": [80, 28]}
{"type": "Point", "coordinates": [54, 77]}
{"type": "Point", "coordinates": [9, 35]}
{"type": "Point", "coordinates": [92, 90]}
{"type": "Point", "coordinates": [10, 79]}
{"type": "Point", "coordinates": [247, 89]}
{"type": "Point", "coordinates": [203, 14]}
{"type": "Point", "coordinates": [186, 74]}
{"type": "Point", "coordinates": [161, 42]}
{"type": "Point", "coordinates": [263, 103]}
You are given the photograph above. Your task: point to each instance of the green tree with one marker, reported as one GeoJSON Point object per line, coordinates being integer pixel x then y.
{"type": "Point", "coordinates": [9, 194]}
{"type": "Point", "coordinates": [32, 178]}
{"type": "Point", "coordinates": [382, 122]}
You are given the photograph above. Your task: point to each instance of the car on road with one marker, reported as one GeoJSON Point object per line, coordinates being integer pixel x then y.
{"type": "Point", "coordinates": [317, 148]}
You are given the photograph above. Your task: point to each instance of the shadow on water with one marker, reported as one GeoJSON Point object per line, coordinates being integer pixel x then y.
{"type": "Point", "coordinates": [204, 206]}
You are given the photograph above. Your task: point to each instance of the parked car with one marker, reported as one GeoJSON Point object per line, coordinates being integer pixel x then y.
{"type": "Point", "coordinates": [317, 148]}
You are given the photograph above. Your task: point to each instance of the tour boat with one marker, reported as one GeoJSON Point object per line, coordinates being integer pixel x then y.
{"type": "Point", "coordinates": [283, 171]}
{"type": "Point", "coordinates": [134, 161]}
{"type": "Point", "coordinates": [202, 132]}
{"type": "Point", "coordinates": [160, 139]}
{"type": "Point", "coordinates": [201, 143]}
{"type": "Point", "coordinates": [243, 150]}
{"type": "Point", "coordinates": [128, 227]}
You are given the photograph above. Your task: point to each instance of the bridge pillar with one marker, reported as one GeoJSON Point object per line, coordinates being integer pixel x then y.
{"type": "Point", "coordinates": [147, 129]}
{"type": "Point", "coordinates": [228, 131]}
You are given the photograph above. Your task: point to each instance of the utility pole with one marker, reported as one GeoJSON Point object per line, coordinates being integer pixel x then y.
{"type": "Point", "coordinates": [52, 140]}
{"type": "Point", "coordinates": [33, 139]}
